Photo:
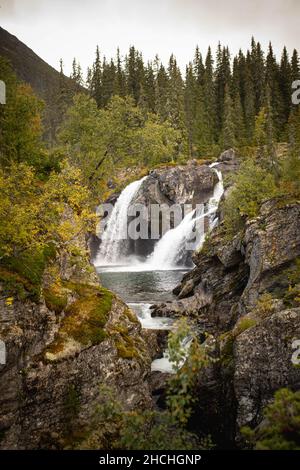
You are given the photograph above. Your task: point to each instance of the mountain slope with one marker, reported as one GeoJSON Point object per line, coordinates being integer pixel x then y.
{"type": "Point", "coordinates": [43, 78]}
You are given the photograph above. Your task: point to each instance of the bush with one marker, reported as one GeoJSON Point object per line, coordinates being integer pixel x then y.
{"type": "Point", "coordinates": [281, 429]}
{"type": "Point", "coordinates": [252, 186]}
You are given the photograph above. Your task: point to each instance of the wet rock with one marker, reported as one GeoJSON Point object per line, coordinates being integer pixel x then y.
{"type": "Point", "coordinates": [156, 341]}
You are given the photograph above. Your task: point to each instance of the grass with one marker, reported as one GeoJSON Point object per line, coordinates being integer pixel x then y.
{"type": "Point", "coordinates": [56, 298]}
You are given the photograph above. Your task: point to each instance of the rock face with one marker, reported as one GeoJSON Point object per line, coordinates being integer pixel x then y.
{"type": "Point", "coordinates": [244, 292]}
{"type": "Point", "coordinates": [186, 184]}
{"type": "Point", "coordinates": [60, 350]}
{"type": "Point", "coordinates": [263, 363]}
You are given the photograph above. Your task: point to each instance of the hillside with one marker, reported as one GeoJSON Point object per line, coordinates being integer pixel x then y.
{"type": "Point", "coordinates": [43, 78]}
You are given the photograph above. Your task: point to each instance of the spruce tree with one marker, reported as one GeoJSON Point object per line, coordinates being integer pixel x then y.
{"type": "Point", "coordinates": [249, 100]}
{"type": "Point", "coordinates": [120, 79]}
{"type": "Point", "coordinates": [257, 73]}
{"type": "Point", "coordinates": [228, 139]}
{"type": "Point", "coordinates": [295, 66]}
{"type": "Point", "coordinates": [161, 90]}
{"type": "Point", "coordinates": [285, 84]}
{"type": "Point", "coordinates": [264, 137]}
{"type": "Point", "coordinates": [222, 80]}
{"type": "Point", "coordinates": [190, 101]}
{"type": "Point", "coordinates": [96, 83]}
{"type": "Point", "coordinates": [175, 104]}
{"type": "Point", "coordinates": [149, 87]}
{"type": "Point", "coordinates": [209, 102]}
{"type": "Point", "coordinates": [272, 89]}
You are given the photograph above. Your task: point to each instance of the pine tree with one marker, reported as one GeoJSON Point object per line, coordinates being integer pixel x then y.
{"type": "Point", "coordinates": [228, 139]}
{"type": "Point", "coordinates": [96, 88]}
{"type": "Point", "coordinates": [295, 66]}
{"type": "Point", "coordinates": [285, 84]}
{"type": "Point", "coordinates": [210, 117]}
{"type": "Point", "coordinates": [175, 104]}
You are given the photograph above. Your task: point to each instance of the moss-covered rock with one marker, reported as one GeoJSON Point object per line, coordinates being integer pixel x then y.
{"type": "Point", "coordinates": [84, 321]}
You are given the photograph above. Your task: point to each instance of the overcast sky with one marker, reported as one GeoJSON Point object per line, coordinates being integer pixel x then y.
{"type": "Point", "coordinates": [68, 28]}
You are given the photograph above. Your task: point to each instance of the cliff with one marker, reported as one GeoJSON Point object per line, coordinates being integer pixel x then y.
{"type": "Point", "coordinates": [245, 292]}
{"type": "Point", "coordinates": [60, 349]}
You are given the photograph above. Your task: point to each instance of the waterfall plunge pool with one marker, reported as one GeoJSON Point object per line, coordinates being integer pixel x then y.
{"type": "Point", "coordinates": [140, 290]}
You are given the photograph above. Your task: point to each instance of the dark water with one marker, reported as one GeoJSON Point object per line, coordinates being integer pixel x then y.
{"type": "Point", "coordinates": [142, 286]}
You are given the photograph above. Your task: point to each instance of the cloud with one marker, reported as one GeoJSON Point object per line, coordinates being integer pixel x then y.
{"type": "Point", "coordinates": [68, 28]}
{"type": "Point", "coordinates": [11, 8]}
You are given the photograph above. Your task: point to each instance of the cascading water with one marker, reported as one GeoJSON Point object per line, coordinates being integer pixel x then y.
{"type": "Point", "coordinates": [164, 364]}
{"type": "Point", "coordinates": [170, 249]}
{"type": "Point", "coordinates": [114, 245]}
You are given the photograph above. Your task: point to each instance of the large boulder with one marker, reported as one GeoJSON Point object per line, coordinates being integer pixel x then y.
{"type": "Point", "coordinates": [263, 364]}
{"type": "Point", "coordinates": [60, 350]}
{"type": "Point", "coordinates": [182, 184]}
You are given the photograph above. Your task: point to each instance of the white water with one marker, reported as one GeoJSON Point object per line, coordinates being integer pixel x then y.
{"type": "Point", "coordinates": [143, 313]}
{"type": "Point", "coordinates": [164, 363]}
{"type": "Point", "coordinates": [114, 239]}
{"type": "Point", "coordinates": [170, 249]}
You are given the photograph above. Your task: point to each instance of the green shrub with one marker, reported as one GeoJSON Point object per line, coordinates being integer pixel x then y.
{"type": "Point", "coordinates": [264, 306]}
{"type": "Point", "coordinates": [242, 325]}
{"type": "Point", "coordinates": [253, 184]}
{"type": "Point", "coordinates": [281, 429]}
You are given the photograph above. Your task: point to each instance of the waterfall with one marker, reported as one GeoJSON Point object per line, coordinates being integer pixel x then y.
{"type": "Point", "coordinates": [170, 250]}
{"type": "Point", "coordinates": [114, 245]}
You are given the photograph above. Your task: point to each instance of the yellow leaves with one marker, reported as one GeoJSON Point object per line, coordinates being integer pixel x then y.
{"type": "Point", "coordinates": [34, 214]}
{"type": "Point", "coordinates": [9, 301]}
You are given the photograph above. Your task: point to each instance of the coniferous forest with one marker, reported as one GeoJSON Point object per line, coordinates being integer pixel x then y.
{"type": "Point", "coordinates": [216, 102]}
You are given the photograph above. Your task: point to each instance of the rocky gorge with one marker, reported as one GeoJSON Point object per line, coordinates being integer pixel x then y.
{"type": "Point", "coordinates": [79, 335]}
{"type": "Point", "coordinates": [240, 291]}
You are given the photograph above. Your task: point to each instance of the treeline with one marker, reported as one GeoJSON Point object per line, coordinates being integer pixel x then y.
{"type": "Point", "coordinates": [216, 103]}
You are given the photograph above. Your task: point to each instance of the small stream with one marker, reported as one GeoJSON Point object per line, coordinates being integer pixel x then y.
{"type": "Point", "coordinates": [140, 290]}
